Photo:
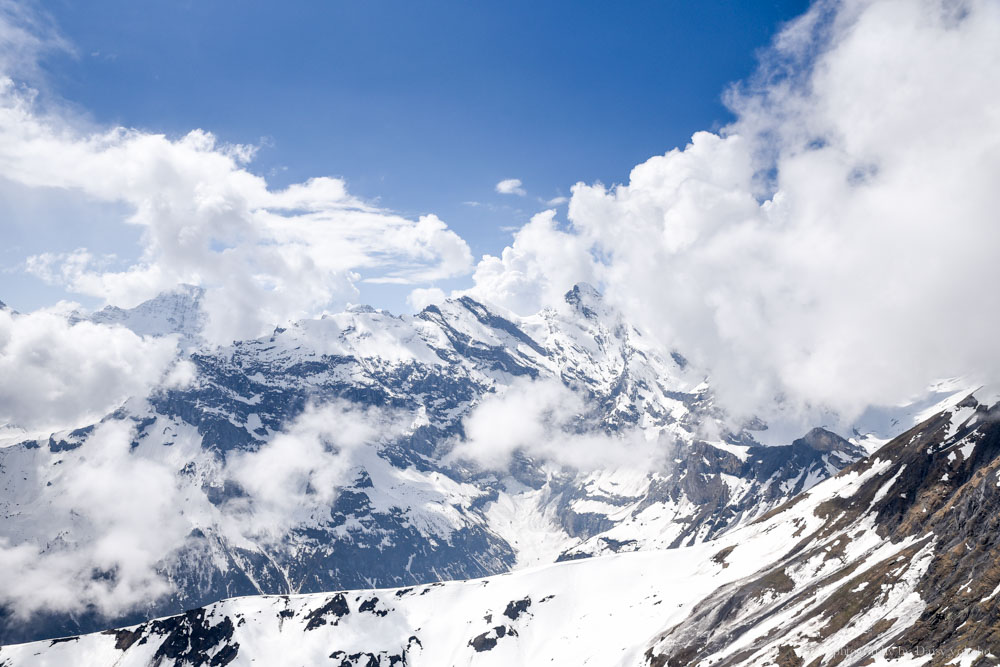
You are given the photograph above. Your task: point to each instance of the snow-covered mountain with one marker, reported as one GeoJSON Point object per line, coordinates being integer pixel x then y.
{"type": "Point", "coordinates": [240, 514]}
{"type": "Point", "coordinates": [175, 312]}
{"type": "Point", "coordinates": [891, 562]}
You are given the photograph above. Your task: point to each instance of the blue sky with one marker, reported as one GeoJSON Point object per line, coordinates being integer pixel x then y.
{"type": "Point", "coordinates": [423, 107]}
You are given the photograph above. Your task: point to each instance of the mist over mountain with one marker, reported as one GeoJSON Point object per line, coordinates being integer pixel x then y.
{"type": "Point", "coordinates": [366, 449]}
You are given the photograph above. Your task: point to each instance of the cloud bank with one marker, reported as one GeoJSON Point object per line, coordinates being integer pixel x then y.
{"type": "Point", "coordinates": [264, 255]}
{"type": "Point", "coordinates": [836, 245]}
{"type": "Point", "coordinates": [57, 375]}
{"type": "Point", "coordinates": [833, 248]}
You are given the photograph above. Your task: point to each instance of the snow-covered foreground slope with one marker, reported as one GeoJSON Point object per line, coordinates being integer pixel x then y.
{"type": "Point", "coordinates": [893, 561]}
{"type": "Point", "coordinates": [600, 611]}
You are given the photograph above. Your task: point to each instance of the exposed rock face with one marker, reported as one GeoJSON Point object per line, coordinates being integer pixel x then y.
{"type": "Point", "coordinates": [904, 563]}
{"type": "Point", "coordinates": [711, 490]}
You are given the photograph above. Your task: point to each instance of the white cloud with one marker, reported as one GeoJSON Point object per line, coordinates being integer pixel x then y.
{"type": "Point", "coordinates": [116, 515]}
{"type": "Point", "coordinates": [546, 420]}
{"type": "Point", "coordinates": [26, 35]}
{"type": "Point", "coordinates": [298, 474]}
{"type": "Point", "coordinates": [541, 265]}
{"type": "Point", "coordinates": [871, 137]}
{"type": "Point", "coordinates": [54, 374]}
{"type": "Point", "coordinates": [102, 528]}
{"type": "Point", "coordinates": [264, 256]}
{"type": "Point", "coordinates": [422, 297]}
{"type": "Point", "coordinates": [511, 186]}
{"type": "Point", "coordinates": [832, 247]}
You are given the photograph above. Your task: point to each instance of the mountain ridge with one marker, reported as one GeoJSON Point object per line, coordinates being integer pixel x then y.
{"type": "Point", "coordinates": [400, 512]}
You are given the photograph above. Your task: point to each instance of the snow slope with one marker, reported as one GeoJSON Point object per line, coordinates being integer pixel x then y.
{"type": "Point", "coordinates": [599, 611]}
{"type": "Point", "coordinates": [886, 563]}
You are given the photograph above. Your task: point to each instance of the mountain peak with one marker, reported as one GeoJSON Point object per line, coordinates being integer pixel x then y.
{"type": "Point", "coordinates": [822, 440]}
{"type": "Point", "coordinates": [175, 311]}
{"type": "Point", "coordinates": [583, 291]}
{"type": "Point", "coordinates": [586, 299]}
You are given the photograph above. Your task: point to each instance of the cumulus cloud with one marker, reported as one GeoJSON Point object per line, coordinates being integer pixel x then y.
{"type": "Point", "coordinates": [832, 248]}
{"type": "Point", "coordinates": [511, 186]}
{"type": "Point", "coordinates": [537, 269]}
{"type": "Point", "coordinates": [835, 246]}
{"type": "Point", "coordinates": [264, 256]}
{"type": "Point", "coordinates": [54, 374]}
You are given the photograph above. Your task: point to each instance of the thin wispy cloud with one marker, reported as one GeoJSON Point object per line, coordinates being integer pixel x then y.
{"type": "Point", "coordinates": [59, 374]}
{"type": "Point", "coordinates": [542, 419]}
{"type": "Point", "coordinates": [114, 556]}
{"type": "Point", "coordinates": [27, 34]}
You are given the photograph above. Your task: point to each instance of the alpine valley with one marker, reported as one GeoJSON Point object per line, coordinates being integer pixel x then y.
{"type": "Point", "coordinates": [324, 496]}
